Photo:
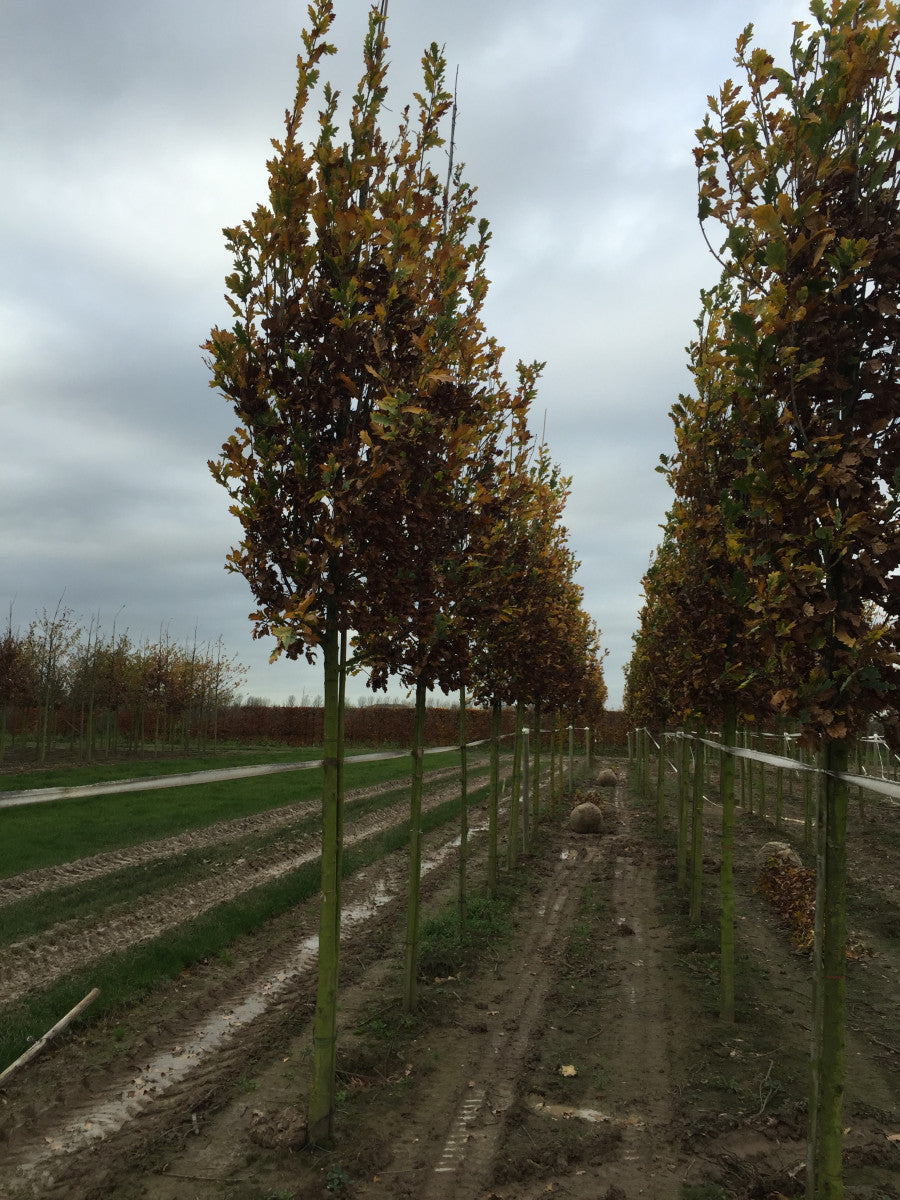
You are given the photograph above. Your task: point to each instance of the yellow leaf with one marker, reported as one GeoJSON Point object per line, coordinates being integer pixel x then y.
{"type": "Point", "coordinates": [765, 217]}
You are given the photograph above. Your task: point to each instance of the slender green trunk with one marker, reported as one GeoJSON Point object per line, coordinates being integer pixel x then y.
{"type": "Point", "coordinates": [779, 782]}
{"type": "Point", "coordinates": [726, 876]}
{"type": "Point", "coordinates": [512, 849]}
{"type": "Point", "coordinates": [44, 741]}
{"type": "Point", "coordinates": [551, 751]}
{"type": "Point", "coordinates": [697, 827]}
{"type": "Point", "coordinates": [410, 991]}
{"type": "Point", "coordinates": [646, 785]}
{"type": "Point", "coordinates": [526, 791]}
{"type": "Point", "coordinates": [661, 782]}
{"type": "Point", "coordinates": [683, 777]}
{"type": "Point", "coordinates": [761, 746]}
{"type": "Point", "coordinates": [462, 902]}
{"type": "Point", "coordinates": [823, 1163]}
{"type": "Point", "coordinates": [860, 792]}
{"type": "Point", "coordinates": [494, 800]}
{"type": "Point", "coordinates": [536, 784]}
{"type": "Point", "coordinates": [572, 760]}
{"type": "Point", "coordinates": [560, 759]}
{"type": "Point", "coordinates": [322, 1092]}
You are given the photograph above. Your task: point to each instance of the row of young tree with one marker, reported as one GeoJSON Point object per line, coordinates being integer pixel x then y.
{"type": "Point", "coordinates": [384, 724]}
{"type": "Point", "coordinates": [389, 490]}
{"type": "Point", "coordinates": [93, 690]}
{"type": "Point", "coordinates": [775, 588]}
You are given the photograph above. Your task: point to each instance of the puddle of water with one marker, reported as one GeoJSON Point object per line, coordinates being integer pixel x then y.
{"type": "Point", "coordinates": [170, 1067]}
{"type": "Point", "coordinates": [566, 1111]}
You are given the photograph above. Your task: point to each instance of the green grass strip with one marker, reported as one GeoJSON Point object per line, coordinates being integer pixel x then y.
{"type": "Point", "coordinates": [44, 835]}
{"type": "Point", "coordinates": [107, 772]}
{"type": "Point", "coordinates": [127, 976]}
{"type": "Point", "coordinates": [131, 885]}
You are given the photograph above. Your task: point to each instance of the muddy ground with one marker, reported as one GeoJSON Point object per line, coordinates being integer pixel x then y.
{"type": "Point", "coordinates": [580, 1055]}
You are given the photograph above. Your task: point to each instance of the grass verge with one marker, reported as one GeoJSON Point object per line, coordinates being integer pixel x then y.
{"type": "Point", "coordinates": [43, 835]}
{"type": "Point", "coordinates": [118, 770]}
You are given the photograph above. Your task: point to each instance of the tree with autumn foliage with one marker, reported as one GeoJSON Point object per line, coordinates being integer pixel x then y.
{"type": "Point", "coordinates": [801, 171]}
{"type": "Point", "coordinates": [345, 296]}
{"type": "Point", "coordinates": [424, 602]}
{"type": "Point", "coordinates": [722, 671]}
{"type": "Point", "coordinates": [538, 648]}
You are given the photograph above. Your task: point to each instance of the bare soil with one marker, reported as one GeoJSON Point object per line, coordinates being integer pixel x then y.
{"type": "Point", "coordinates": [580, 1057]}
{"type": "Point", "coordinates": [69, 945]}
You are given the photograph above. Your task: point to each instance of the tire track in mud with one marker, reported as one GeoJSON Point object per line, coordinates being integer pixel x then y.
{"type": "Point", "coordinates": [476, 1125]}
{"type": "Point", "coordinates": [81, 1149]}
{"type": "Point", "coordinates": [635, 1018]}
{"type": "Point", "coordinates": [40, 960]}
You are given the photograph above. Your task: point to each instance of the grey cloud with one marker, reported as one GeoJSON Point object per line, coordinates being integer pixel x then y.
{"type": "Point", "coordinates": [133, 133]}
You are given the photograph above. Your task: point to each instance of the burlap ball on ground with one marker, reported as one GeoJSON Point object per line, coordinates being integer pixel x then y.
{"type": "Point", "coordinates": [781, 851]}
{"type": "Point", "coordinates": [586, 818]}
{"type": "Point", "coordinates": [283, 1129]}
{"type": "Point", "coordinates": [607, 778]}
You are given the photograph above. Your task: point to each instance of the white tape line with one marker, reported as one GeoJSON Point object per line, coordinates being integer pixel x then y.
{"type": "Point", "coordinates": [883, 786]}
{"type": "Point", "coordinates": [218, 775]}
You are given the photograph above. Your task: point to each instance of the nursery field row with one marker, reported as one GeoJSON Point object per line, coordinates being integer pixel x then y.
{"type": "Point", "coordinates": [581, 1054]}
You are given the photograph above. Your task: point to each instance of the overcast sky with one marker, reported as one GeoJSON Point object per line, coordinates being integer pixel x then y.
{"type": "Point", "coordinates": [130, 134]}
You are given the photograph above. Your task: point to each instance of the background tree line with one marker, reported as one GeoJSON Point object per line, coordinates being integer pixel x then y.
{"type": "Point", "coordinates": [97, 691]}
{"type": "Point", "coordinates": [386, 724]}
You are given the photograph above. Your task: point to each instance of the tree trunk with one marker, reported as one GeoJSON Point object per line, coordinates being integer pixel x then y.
{"type": "Point", "coordinates": [321, 1098]}
{"type": "Point", "coordinates": [572, 761]}
{"type": "Point", "coordinates": [779, 782]}
{"type": "Point", "coordinates": [410, 989]}
{"type": "Point", "coordinates": [526, 790]}
{"type": "Point", "coordinates": [683, 776]}
{"type": "Point", "coordinates": [512, 850]}
{"type": "Point", "coordinates": [661, 783]}
{"type": "Point", "coordinates": [464, 812]}
{"type": "Point", "coordinates": [494, 800]}
{"type": "Point", "coordinates": [536, 783]}
{"type": "Point", "coordinates": [726, 874]}
{"type": "Point", "coordinates": [823, 1164]}
{"type": "Point", "coordinates": [697, 828]}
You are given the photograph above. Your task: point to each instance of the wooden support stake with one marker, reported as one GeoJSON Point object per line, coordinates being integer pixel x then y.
{"type": "Point", "coordinates": [34, 1050]}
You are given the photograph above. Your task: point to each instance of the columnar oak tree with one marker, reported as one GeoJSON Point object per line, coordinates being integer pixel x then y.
{"type": "Point", "coordinates": [803, 175]}
{"type": "Point", "coordinates": [343, 297]}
